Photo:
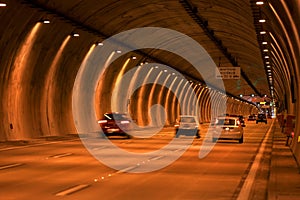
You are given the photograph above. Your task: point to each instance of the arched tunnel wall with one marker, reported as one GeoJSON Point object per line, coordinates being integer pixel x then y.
{"type": "Point", "coordinates": [38, 67]}
{"type": "Point", "coordinates": [140, 101]}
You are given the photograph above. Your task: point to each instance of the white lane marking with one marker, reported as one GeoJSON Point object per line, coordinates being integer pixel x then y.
{"type": "Point", "coordinates": [157, 157]}
{"type": "Point", "coordinates": [36, 145]}
{"type": "Point", "coordinates": [247, 186]}
{"type": "Point", "coordinates": [126, 169]}
{"type": "Point", "coordinates": [61, 155]}
{"type": "Point", "coordinates": [72, 190]}
{"type": "Point", "coordinates": [11, 166]}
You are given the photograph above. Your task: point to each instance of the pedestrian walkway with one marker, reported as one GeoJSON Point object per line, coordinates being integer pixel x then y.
{"type": "Point", "coordinates": [284, 181]}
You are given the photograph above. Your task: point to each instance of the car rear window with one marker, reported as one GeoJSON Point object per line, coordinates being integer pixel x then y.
{"type": "Point", "coordinates": [187, 119]}
{"type": "Point", "coordinates": [226, 122]}
{"type": "Point", "coordinates": [115, 116]}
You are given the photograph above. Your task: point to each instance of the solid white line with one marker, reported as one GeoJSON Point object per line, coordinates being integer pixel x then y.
{"type": "Point", "coordinates": [72, 190]}
{"type": "Point", "coordinates": [247, 186]}
{"type": "Point", "coordinates": [11, 166]}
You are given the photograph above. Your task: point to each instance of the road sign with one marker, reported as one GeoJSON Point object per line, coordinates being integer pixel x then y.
{"type": "Point", "coordinates": [228, 73]}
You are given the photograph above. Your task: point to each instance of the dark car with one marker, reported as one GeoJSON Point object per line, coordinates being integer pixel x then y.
{"type": "Point", "coordinates": [242, 120]}
{"type": "Point", "coordinates": [252, 117]}
{"type": "Point", "coordinates": [115, 124]}
{"type": "Point", "coordinates": [261, 118]}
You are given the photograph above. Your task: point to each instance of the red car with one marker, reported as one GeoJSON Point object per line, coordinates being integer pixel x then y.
{"type": "Point", "coordinates": [115, 124]}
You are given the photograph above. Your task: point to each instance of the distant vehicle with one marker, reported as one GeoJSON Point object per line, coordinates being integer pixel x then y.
{"type": "Point", "coordinates": [187, 125]}
{"type": "Point", "coordinates": [228, 128]}
{"type": "Point", "coordinates": [261, 118]}
{"type": "Point", "coordinates": [242, 120]}
{"type": "Point", "coordinates": [252, 117]}
{"type": "Point", "coordinates": [115, 124]}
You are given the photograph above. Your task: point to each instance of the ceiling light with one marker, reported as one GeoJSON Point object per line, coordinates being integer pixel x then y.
{"type": "Point", "coordinates": [259, 3]}
{"type": "Point", "coordinates": [267, 57]}
{"type": "Point", "coordinates": [165, 70]}
{"type": "Point", "coordinates": [267, 62]}
{"type": "Point", "coordinates": [264, 42]}
{"type": "Point", "coordinates": [119, 51]}
{"type": "Point", "coordinates": [269, 70]}
{"type": "Point", "coordinates": [268, 66]}
{"type": "Point", "coordinates": [75, 34]}
{"type": "Point", "coordinates": [2, 4]}
{"type": "Point", "coordinates": [46, 21]}
{"type": "Point", "coordinates": [263, 32]}
{"type": "Point", "coordinates": [133, 57]}
{"type": "Point", "coordinates": [266, 50]}
{"type": "Point", "coordinates": [99, 44]}
{"type": "Point", "coordinates": [262, 20]}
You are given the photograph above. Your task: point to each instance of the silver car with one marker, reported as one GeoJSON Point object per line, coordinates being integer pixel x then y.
{"type": "Point", "coordinates": [228, 128]}
{"type": "Point", "coordinates": [187, 125]}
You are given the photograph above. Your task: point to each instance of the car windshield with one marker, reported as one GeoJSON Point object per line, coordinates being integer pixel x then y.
{"type": "Point", "coordinates": [187, 119]}
{"type": "Point", "coordinates": [226, 122]}
{"type": "Point", "coordinates": [115, 116]}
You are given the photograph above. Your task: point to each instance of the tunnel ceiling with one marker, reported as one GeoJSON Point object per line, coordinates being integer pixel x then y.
{"type": "Point", "coordinates": [224, 28]}
{"type": "Point", "coordinates": [229, 31]}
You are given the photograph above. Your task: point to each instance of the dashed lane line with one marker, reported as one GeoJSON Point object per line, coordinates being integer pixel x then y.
{"type": "Point", "coordinates": [11, 166]}
{"type": "Point", "coordinates": [72, 190]}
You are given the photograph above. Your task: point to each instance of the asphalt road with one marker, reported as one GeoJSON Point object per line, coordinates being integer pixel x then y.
{"type": "Point", "coordinates": [67, 170]}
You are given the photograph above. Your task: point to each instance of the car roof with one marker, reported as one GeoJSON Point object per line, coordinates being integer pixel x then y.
{"type": "Point", "coordinates": [228, 117]}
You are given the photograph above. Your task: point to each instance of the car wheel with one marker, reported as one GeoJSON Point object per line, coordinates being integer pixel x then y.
{"type": "Point", "coordinates": [128, 136]}
{"type": "Point", "coordinates": [241, 140]}
{"type": "Point", "coordinates": [197, 134]}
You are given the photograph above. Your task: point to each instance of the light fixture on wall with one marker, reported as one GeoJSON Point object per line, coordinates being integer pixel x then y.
{"type": "Point", "coordinates": [45, 21]}
{"type": "Point", "coordinates": [75, 34]}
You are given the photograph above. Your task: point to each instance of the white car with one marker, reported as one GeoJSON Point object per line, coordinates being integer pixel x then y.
{"type": "Point", "coordinates": [187, 125]}
{"type": "Point", "coordinates": [228, 128]}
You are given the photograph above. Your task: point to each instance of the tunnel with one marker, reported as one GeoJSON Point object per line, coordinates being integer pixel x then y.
{"type": "Point", "coordinates": [66, 63]}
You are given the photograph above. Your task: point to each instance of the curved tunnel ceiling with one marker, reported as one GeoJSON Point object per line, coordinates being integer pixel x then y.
{"type": "Point", "coordinates": [234, 30]}
{"type": "Point", "coordinates": [229, 31]}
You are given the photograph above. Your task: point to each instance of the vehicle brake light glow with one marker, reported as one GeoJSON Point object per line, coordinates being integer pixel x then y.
{"type": "Point", "coordinates": [102, 121]}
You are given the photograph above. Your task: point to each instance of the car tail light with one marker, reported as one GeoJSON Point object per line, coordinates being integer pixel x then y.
{"type": "Point", "coordinates": [102, 121]}
{"type": "Point", "coordinates": [125, 122]}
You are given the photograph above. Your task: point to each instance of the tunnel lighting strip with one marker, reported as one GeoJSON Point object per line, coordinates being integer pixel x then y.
{"type": "Point", "coordinates": [192, 11]}
{"type": "Point", "coordinates": [3, 5]}
{"type": "Point", "coordinates": [86, 28]}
